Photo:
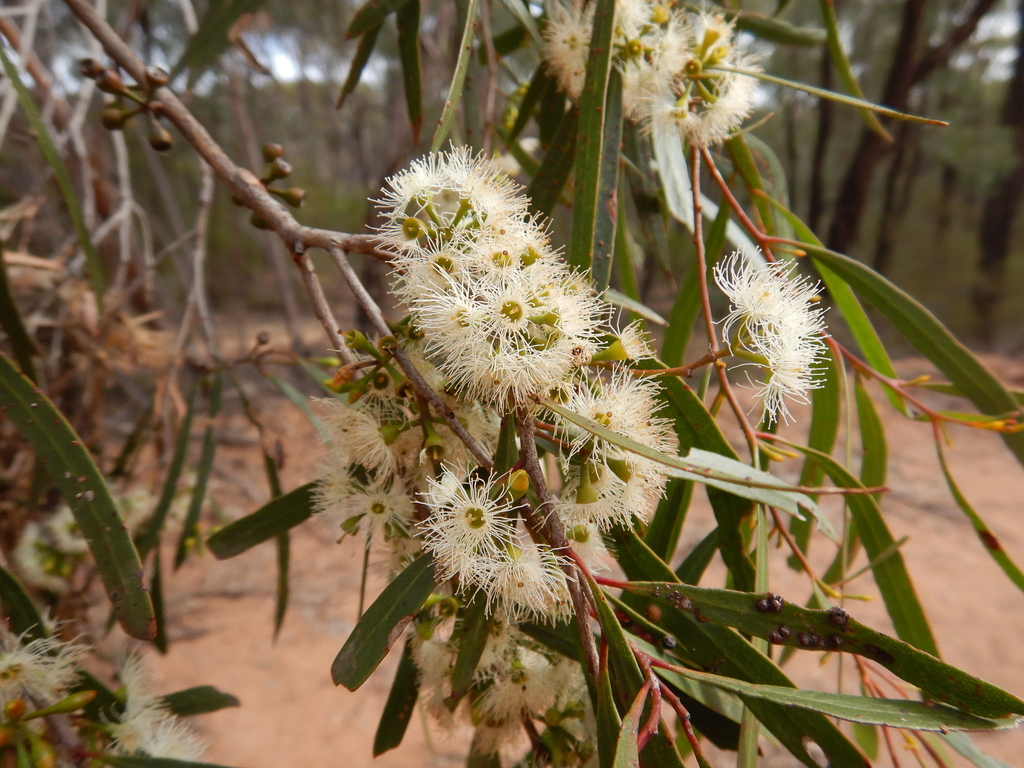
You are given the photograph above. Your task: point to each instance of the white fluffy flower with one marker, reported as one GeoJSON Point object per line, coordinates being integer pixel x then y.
{"type": "Point", "coordinates": [775, 323]}
{"type": "Point", "coordinates": [357, 434]}
{"type": "Point", "coordinates": [147, 727]}
{"type": "Point", "coordinates": [567, 45]}
{"type": "Point", "coordinates": [526, 582]}
{"type": "Point", "coordinates": [42, 669]}
{"type": "Point", "coordinates": [470, 526]}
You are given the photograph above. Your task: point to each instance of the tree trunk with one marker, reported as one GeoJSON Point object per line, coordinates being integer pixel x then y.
{"type": "Point", "coordinates": [1000, 208]}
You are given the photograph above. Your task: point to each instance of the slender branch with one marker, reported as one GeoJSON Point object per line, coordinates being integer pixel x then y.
{"type": "Point", "coordinates": [376, 318]}
{"type": "Point", "coordinates": [685, 371]}
{"type": "Point", "coordinates": [241, 181]}
{"type": "Point", "coordinates": [551, 526]}
{"type": "Point", "coordinates": [762, 239]}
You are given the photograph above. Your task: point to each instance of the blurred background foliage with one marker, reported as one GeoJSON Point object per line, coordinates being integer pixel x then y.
{"type": "Point", "coordinates": [934, 209]}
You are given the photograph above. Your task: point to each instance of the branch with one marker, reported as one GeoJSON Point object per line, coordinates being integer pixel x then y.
{"type": "Point", "coordinates": [938, 55]}
{"type": "Point", "coordinates": [241, 181]}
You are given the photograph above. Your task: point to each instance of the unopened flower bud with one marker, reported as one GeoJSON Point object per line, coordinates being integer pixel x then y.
{"type": "Point", "coordinates": [14, 709]}
{"type": "Point", "coordinates": [90, 68]}
{"type": "Point", "coordinates": [69, 704]}
{"type": "Point", "coordinates": [272, 152]}
{"type": "Point", "coordinates": [293, 196]}
{"type": "Point", "coordinates": [113, 119]}
{"type": "Point", "coordinates": [160, 139]}
{"type": "Point", "coordinates": [278, 169]}
{"type": "Point", "coordinates": [259, 222]}
{"type": "Point", "coordinates": [156, 77]}
{"type": "Point", "coordinates": [110, 82]}
{"type": "Point", "coordinates": [6, 734]}
{"type": "Point", "coordinates": [518, 484]}
{"type": "Point", "coordinates": [357, 340]}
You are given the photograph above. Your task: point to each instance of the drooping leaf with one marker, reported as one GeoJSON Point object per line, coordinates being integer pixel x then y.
{"type": "Point", "coordinates": [643, 187]}
{"type": "Point", "coordinates": [19, 610]}
{"type": "Point", "coordinates": [213, 35]}
{"type": "Point", "coordinates": [627, 752]}
{"type": "Point", "coordinates": [200, 700]}
{"type": "Point", "coordinates": [71, 467]}
{"type": "Point", "coordinates": [473, 635]}
{"type": "Point", "coordinates": [156, 591]}
{"type": "Point", "coordinates": [371, 14]}
{"type": "Point", "coordinates": [842, 64]}
{"type": "Point", "coordinates": [540, 83]}
{"type": "Point", "coordinates": [898, 713]}
{"type": "Point", "coordinates": [10, 321]}
{"type": "Point", "coordinates": [619, 299]}
{"type": "Point", "coordinates": [451, 105]}
{"type": "Point", "coordinates": [145, 761]}
{"type": "Point", "coordinates": [94, 267]}
{"type": "Point", "coordinates": [930, 337]}
{"type": "Point", "coordinates": [359, 60]}
{"type": "Point", "coordinates": [546, 187]}
{"type": "Point", "coordinates": [383, 624]}
{"type": "Point", "coordinates": [190, 528]}
{"type": "Point", "coordinates": [962, 743]}
{"type": "Point", "coordinates": [398, 709]}
{"type": "Point", "coordinates": [274, 518]}
{"type": "Point", "coordinates": [150, 535]}
{"type": "Point", "coordinates": [408, 20]}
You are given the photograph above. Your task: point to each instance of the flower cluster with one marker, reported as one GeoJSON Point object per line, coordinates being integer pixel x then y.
{"type": "Point", "coordinates": [775, 323]}
{"type": "Point", "coordinates": [678, 69]}
{"type": "Point", "coordinates": [498, 323]}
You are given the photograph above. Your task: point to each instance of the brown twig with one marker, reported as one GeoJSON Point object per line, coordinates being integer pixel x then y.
{"type": "Point", "coordinates": [686, 371]}
{"type": "Point", "coordinates": [551, 527]}
{"type": "Point", "coordinates": [762, 239]}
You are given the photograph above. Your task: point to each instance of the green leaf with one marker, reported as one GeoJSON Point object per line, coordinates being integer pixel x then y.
{"type": "Point", "coordinates": [156, 591]}
{"type": "Point", "coordinates": [94, 266]}
{"type": "Point", "coordinates": [710, 469]}
{"type": "Point", "coordinates": [546, 187]}
{"type": "Point", "coordinates": [619, 299]}
{"type": "Point", "coordinates": [561, 638]}
{"type": "Point", "coordinates": [897, 713]}
{"type": "Point", "coordinates": [822, 93]}
{"type": "Point", "coordinates": [540, 83]}
{"type": "Point", "coordinates": [867, 737]}
{"type": "Point", "coordinates": [695, 563]}
{"type": "Point", "coordinates": [520, 9]}
{"type": "Point", "coordinates": [643, 186]}
{"type": "Point", "coordinates": [458, 78]}
{"type": "Point", "coordinates": [842, 64]}
{"type": "Point", "coordinates": [985, 535]}
{"type": "Point", "coordinates": [86, 493]}
{"type": "Point", "coordinates": [874, 465]}
{"type": "Point", "coordinates": [473, 635]}
{"type": "Point", "coordinates": [743, 159]}
{"type": "Point", "coordinates": [200, 700]}
{"type": "Point", "coordinates": [370, 15]}
{"type": "Point", "coordinates": [398, 709]}
{"type": "Point", "coordinates": [890, 572]}
{"type": "Point", "coordinates": [283, 544]}
{"type": "Point", "coordinates": [408, 20]}
{"type": "Point", "coordinates": [359, 60]}
{"type": "Point", "coordinates": [211, 38]}
{"type": "Point", "coordinates": [662, 535]}
{"type": "Point", "coordinates": [922, 329]}
{"type": "Point", "coordinates": [710, 645]}
{"type": "Point", "coordinates": [21, 613]}
{"type": "Point", "coordinates": [10, 321]}
{"type": "Point", "coordinates": [383, 624]}
{"type": "Point", "coordinates": [150, 535]}
{"type": "Point", "coordinates": [608, 720]}
{"type": "Point", "coordinates": [190, 528]}
{"type": "Point", "coordinates": [778, 31]}
{"type": "Point", "coordinates": [298, 399]}
{"type": "Point", "coordinates": [595, 206]}
{"type": "Point", "coordinates": [507, 452]}
{"type": "Point", "coordinates": [274, 518]}
{"type": "Point", "coordinates": [627, 753]}
{"type": "Point", "coordinates": [962, 743]}
{"type": "Point", "coordinates": [833, 630]}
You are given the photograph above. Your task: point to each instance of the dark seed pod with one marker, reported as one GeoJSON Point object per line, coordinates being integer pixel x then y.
{"type": "Point", "coordinates": [775, 637]}
{"type": "Point", "coordinates": [109, 81]}
{"type": "Point", "coordinates": [262, 338]}
{"type": "Point", "coordinates": [278, 169]}
{"type": "Point", "coordinates": [833, 642]}
{"type": "Point", "coordinates": [770, 603]}
{"type": "Point", "coordinates": [808, 639]}
{"type": "Point", "coordinates": [785, 632]}
{"type": "Point", "coordinates": [90, 68]}
{"type": "Point", "coordinates": [293, 196]}
{"type": "Point", "coordinates": [668, 642]}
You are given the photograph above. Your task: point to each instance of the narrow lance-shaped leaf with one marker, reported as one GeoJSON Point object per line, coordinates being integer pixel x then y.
{"type": "Point", "coordinates": [627, 753]}
{"type": "Point", "coordinates": [842, 64]}
{"type": "Point", "coordinates": [546, 187]}
{"type": "Point", "coordinates": [408, 20]}
{"type": "Point", "coordinates": [988, 539]}
{"type": "Point", "coordinates": [200, 700]}
{"type": "Point", "coordinates": [890, 572]}
{"type": "Point", "coordinates": [359, 60]}
{"type": "Point", "coordinates": [156, 591]}
{"type": "Point", "coordinates": [371, 14]}
{"type": "Point", "coordinates": [272, 519]}
{"type": "Point", "coordinates": [930, 337]}
{"type": "Point", "coordinates": [213, 35]}
{"type": "Point", "coordinates": [190, 528]}
{"type": "Point", "coordinates": [897, 713]}
{"type": "Point", "coordinates": [821, 92]}
{"type": "Point", "coordinates": [94, 266]}
{"type": "Point", "coordinates": [473, 635]}
{"type": "Point", "coordinates": [150, 535]}
{"type": "Point", "coordinates": [711, 469]}
{"type": "Point", "coordinates": [398, 709]}
{"type": "Point", "coordinates": [451, 104]}
{"type": "Point", "coordinates": [768, 616]}
{"type": "Point", "coordinates": [21, 613]}
{"type": "Point", "coordinates": [10, 321]}
{"type": "Point", "coordinates": [86, 493]}
{"type": "Point", "coordinates": [601, 82]}
{"type": "Point", "coordinates": [540, 83]}
{"type": "Point", "coordinates": [383, 623]}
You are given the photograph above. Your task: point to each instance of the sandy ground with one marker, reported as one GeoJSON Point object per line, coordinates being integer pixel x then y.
{"type": "Point", "coordinates": [220, 612]}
